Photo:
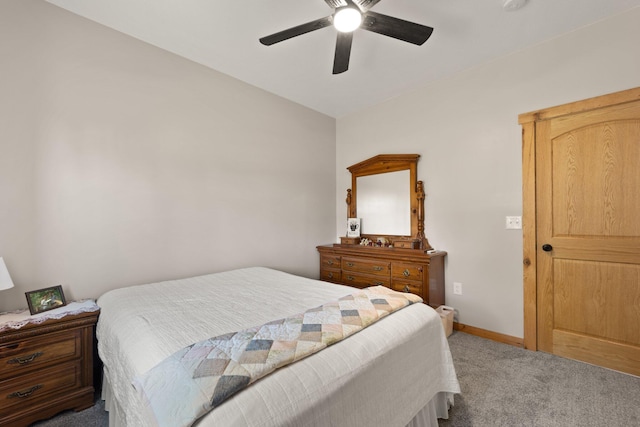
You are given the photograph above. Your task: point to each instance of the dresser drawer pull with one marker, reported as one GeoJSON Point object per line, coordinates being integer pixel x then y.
{"type": "Point", "coordinates": [26, 359]}
{"type": "Point", "coordinates": [378, 283]}
{"type": "Point", "coordinates": [351, 278]}
{"type": "Point", "coordinates": [349, 264]}
{"type": "Point", "coordinates": [330, 275]}
{"type": "Point", "coordinates": [406, 273]}
{"type": "Point", "coordinates": [406, 288]}
{"type": "Point", "coordinates": [330, 262]}
{"type": "Point", "coordinates": [378, 268]}
{"type": "Point", "coordinates": [25, 393]}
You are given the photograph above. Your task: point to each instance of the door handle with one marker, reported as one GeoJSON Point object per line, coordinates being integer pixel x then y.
{"type": "Point", "coordinates": [547, 247]}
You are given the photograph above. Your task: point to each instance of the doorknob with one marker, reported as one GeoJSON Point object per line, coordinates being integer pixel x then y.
{"type": "Point", "coordinates": [547, 247]}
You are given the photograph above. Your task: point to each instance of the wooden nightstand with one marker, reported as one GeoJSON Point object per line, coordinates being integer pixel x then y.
{"type": "Point", "coordinates": [46, 368]}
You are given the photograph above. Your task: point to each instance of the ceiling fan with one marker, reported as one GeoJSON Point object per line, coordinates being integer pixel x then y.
{"type": "Point", "coordinates": [348, 16]}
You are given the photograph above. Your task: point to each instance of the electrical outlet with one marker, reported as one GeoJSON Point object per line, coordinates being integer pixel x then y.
{"type": "Point", "coordinates": [514, 223]}
{"type": "Point", "coordinates": [457, 288]}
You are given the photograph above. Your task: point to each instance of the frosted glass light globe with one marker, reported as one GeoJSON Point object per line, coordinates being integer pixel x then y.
{"type": "Point", "coordinates": [347, 19]}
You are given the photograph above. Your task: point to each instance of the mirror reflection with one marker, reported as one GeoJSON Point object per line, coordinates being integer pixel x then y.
{"type": "Point", "coordinates": [384, 203]}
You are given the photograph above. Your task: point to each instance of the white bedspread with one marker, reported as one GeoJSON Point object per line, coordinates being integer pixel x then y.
{"type": "Point", "coordinates": [381, 376]}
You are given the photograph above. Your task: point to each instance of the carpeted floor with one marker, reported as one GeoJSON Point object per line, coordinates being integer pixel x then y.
{"type": "Point", "coordinates": [95, 416]}
{"type": "Point", "coordinates": [503, 386]}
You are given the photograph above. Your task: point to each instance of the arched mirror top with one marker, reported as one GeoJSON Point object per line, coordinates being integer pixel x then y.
{"type": "Point", "coordinates": [389, 200]}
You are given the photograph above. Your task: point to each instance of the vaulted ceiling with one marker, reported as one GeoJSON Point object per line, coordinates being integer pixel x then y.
{"type": "Point", "coordinates": [223, 35]}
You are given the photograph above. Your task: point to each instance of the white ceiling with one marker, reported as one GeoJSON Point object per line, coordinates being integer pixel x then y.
{"type": "Point", "coordinates": [224, 35]}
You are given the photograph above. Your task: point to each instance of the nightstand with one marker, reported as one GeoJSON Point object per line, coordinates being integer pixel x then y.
{"type": "Point", "coordinates": [46, 366]}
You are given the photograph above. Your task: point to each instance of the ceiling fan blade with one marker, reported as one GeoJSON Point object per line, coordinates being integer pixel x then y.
{"type": "Point", "coordinates": [296, 31]}
{"type": "Point", "coordinates": [396, 28]}
{"type": "Point", "coordinates": [343, 52]}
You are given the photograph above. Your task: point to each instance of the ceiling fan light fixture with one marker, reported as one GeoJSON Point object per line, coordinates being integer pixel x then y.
{"type": "Point", "coordinates": [347, 19]}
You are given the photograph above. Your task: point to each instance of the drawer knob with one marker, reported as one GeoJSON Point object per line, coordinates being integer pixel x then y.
{"type": "Point", "coordinates": [25, 393]}
{"type": "Point", "coordinates": [406, 273]}
{"type": "Point", "coordinates": [378, 268]}
{"type": "Point", "coordinates": [350, 278]}
{"type": "Point", "coordinates": [26, 359]}
{"type": "Point", "coordinates": [378, 283]}
{"type": "Point", "coordinates": [405, 289]}
{"type": "Point", "coordinates": [330, 275]}
{"type": "Point", "coordinates": [330, 262]}
{"type": "Point", "coordinates": [350, 264]}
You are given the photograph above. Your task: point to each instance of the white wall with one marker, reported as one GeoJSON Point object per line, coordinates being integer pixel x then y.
{"type": "Point", "coordinates": [121, 163]}
{"type": "Point", "coordinates": [466, 130]}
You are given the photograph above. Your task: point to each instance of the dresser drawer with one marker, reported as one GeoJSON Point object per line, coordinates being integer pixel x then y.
{"type": "Point", "coordinates": [39, 386]}
{"type": "Point", "coordinates": [363, 281]}
{"type": "Point", "coordinates": [407, 286]}
{"type": "Point", "coordinates": [330, 275]}
{"type": "Point", "coordinates": [31, 353]}
{"type": "Point", "coordinates": [407, 271]}
{"type": "Point", "coordinates": [404, 270]}
{"type": "Point", "coordinates": [329, 261]}
{"type": "Point", "coordinates": [368, 266]}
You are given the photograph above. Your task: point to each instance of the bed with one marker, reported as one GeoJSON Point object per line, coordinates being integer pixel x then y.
{"type": "Point", "coordinates": [396, 372]}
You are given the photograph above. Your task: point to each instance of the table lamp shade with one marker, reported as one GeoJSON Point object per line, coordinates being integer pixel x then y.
{"type": "Point", "coordinates": [5, 279]}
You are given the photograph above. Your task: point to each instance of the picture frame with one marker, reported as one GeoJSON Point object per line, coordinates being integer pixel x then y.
{"type": "Point", "coordinates": [353, 227]}
{"type": "Point", "coordinates": [45, 299]}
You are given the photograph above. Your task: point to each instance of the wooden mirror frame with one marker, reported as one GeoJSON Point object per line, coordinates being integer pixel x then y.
{"type": "Point", "coordinates": [385, 163]}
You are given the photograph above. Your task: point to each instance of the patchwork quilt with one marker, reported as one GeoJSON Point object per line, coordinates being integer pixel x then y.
{"type": "Point", "coordinates": [200, 377]}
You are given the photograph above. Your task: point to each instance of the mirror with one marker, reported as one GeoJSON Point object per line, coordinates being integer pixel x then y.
{"type": "Point", "coordinates": [384, 203]}
{"type": "Point", "coordinates": [389, 200]}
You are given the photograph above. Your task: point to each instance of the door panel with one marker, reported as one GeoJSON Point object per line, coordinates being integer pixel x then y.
{"type": "Point", "coordinates": [593, 181]}
{"type": "Point", "coordinates": [609, 295]}
{"type": "Point", "coordinates": [588, 210]}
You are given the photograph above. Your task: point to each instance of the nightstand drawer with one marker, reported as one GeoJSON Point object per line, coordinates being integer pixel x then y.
{"type": "Point", "coordinates": [23, 356]}
{"type": "Point", "coordinates": [40, 385]}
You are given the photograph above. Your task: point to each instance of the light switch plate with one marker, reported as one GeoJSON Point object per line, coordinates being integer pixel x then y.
{"type": "Point", "coordinates": [514, 223]}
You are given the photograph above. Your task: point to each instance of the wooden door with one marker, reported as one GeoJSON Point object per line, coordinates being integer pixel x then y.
{"type": "Point", "coordinates": [587, 230]}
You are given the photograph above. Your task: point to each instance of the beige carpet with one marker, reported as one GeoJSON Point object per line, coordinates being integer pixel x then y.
{"type": "Point", "coordinates": [504, 385]}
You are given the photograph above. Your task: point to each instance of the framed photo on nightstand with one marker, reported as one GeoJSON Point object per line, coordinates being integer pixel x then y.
{"type": "Point", "coordinates": [45, 299]}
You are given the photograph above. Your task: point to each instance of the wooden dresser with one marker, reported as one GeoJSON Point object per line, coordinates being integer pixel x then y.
{"type": "Point", "coordinates": [404, 270]}
{"type": "Point", "coordinates": [46, 368]}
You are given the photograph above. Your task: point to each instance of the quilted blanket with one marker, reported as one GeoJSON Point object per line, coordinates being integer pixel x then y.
{"type": "Point", "coordinates": [200, 377]}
